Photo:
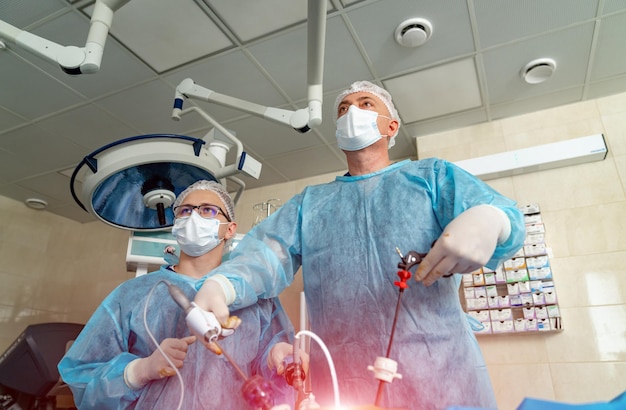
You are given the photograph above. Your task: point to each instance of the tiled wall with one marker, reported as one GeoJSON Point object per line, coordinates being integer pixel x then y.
{"type": "Point", "coordinates": [584, 210]}
{"type": "Point", "coordinates": [53, 269]}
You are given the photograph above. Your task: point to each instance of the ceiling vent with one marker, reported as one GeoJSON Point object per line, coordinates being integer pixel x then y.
{"type": "Point", "coordinates": [538, 71]}
{"type": "Point", "coordinates": [413, 32]}
{"type": "Point", "coordinates": [36, 203]}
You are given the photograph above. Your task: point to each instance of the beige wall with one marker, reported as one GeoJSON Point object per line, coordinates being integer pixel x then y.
{"type": "Point", "coordinates": [54, 269]}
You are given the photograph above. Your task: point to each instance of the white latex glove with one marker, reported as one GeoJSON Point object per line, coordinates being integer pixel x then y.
{"type": "Point", "coordinates": [212, 297]}
{"type": "Point", "coordinates": [466, 244]}
{"type": "Point", "coordinates": [140, 372]}
{"type": "Point", "coordinates": [228, 327]}
{"type": "Point", "coordinates": [279, 352]}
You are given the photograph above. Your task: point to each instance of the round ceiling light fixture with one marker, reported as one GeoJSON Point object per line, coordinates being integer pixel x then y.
{"type": "Point", "coordinates": [538, 71]}
{"type": "Point", "coordinates": [413, 32]}
{"type": "Point", "coordinates": [132, 183]}
{"type": "Point", "coordinates": [36, 203]}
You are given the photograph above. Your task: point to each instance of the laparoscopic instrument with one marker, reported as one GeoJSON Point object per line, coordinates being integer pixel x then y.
{"type": "Point", "coordinates": [257, 391]}
{"type": "Point", "coordinates": [199, 321]}
{"type": "Point", "coordinates": [385, 368]}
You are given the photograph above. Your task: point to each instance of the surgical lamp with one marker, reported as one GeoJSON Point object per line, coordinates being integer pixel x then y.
{"type": "Point", "coordinates": [132, 183]}
{"type": "Point", "coordinates": [72, 60]}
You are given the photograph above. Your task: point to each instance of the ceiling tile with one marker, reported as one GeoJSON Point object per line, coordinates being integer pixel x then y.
{"type": "Point", "coordinates": [607, 87]}
{"type": "Point", "coordinates": [290, 70]}
{"type": "Point", "coordinates": [11, 168]}
{"type": "Point", "coordinates": [611, 6]}
{"type": "Point", "coordinates": [260, 17]}
{"type": "Point", "coordinates": [21, 194]}
{"type": "Point", "coordinates": [270, 139]}
{"type": "Point", "coordinates": [314, 161]}
{"type": "Point", "coordinates": [52, 185]}
{"type": "Point", "coordinates": [436, 91]}
{"type": "Point", "coordinates": [30, 92]}
{"type": "Point", "coordinates": [536, 103]}
{"type": "Point", "coordinates": [503, 65]}
{"type": "Point", "coordinates": [88, 126]}
{"type": "Point", "coordinates": [39, 151]}
{"type": "Point", "coordinates": [500, 22]}
{"type": "Point", "coordinates": [170, 34]}
{"type": "Point", "coordinates": [376, 23]}
{"type": "Point", "coordinates": [71, 29]}
{"type": "Point", "coordinates": [8, 120]}
{"type": "Point", "coordinates": [149, 108]}
{"type": "Point", "coordinates": [447, 122]}
{"type": "Point", "coordinates": [25, 12]}
{"type": "Point", "coordinates": [269, 176]}
{"type": "Point", "coordinates": [612, 37]}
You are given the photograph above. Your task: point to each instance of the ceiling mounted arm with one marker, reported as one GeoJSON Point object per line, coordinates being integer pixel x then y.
{"type": "Point", "coordinates": [189, 89]}
{"type": "Point", "coordinates": [72, 60]}
{"type": "Point", "coordinates": [316, 43]}
{"type": "Point", "coordinates": [302, 120]}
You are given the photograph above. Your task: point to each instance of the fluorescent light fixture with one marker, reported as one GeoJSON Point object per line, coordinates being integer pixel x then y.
{"type": "Point", "coordinates": [539, 158]}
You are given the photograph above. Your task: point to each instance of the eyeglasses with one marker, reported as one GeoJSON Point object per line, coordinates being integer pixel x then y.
{"type": "Point", "coordinates": [208, 211]}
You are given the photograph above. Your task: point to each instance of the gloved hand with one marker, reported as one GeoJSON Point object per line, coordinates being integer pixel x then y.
{"type": "Point", "coordinates": [466, 244]}
{"type": "Point", "coordinates": [228, 329]}
{"type": "Point", "coordinates": [211, 297]}
{"type": "Point", "coordinates": [279, 352]}
{"type": "Point", "coordinates": [140, 372]}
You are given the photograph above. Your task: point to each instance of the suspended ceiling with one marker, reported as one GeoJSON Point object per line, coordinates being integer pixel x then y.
{"type": "Point", "coordinates": [468, 72]}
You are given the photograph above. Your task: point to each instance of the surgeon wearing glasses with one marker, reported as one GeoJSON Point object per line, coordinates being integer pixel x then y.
{"type": "Point", "coordinates": [114, 364]}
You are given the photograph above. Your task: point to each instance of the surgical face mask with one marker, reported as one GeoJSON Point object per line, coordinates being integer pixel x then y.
{"type": "Point", "coordinates": [197, 235]}
{"type": "Point", "coordinates": [357, 129]}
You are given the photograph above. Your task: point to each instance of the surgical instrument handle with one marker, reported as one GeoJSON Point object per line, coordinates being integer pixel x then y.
{"type": "Point", "coordinates": [202, 323]}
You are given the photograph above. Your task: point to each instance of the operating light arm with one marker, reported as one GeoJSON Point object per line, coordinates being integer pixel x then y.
{"type": "Point", "coordinates": [301, 120]}
{"type": "Point", "coordinates": [72, 60]}
{"type": "Point", "coordinates": [316, 38]}
{"type": "Point", "coordinates": [227, 170]}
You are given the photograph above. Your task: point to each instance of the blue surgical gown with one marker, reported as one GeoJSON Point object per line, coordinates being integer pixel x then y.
{"type": "Point", "coordinates": [344, 234]}
{"type": "Point", "coordinates": [115, 335]}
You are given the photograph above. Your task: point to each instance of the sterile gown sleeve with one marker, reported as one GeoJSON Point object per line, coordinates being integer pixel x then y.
{"type": "Point", "coordinates": [94, 365]}
{"type": "Point", "coordinates": [275, 328]}
{"type": "Point", "coordinates": [116, 334]}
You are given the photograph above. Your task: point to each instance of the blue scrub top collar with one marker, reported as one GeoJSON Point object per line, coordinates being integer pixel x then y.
{"type": "Point", "coordinates": [349, 178]}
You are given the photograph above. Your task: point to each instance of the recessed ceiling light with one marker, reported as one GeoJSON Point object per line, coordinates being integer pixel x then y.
{"type": "Point", "coordinates": [538, 71]}
{"type": "Point", "coordinates": [413, 32]}
{"type": "Point", "coordinates": [36, 203]}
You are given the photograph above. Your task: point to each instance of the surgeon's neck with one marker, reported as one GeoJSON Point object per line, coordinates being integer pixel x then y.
{"type": "Point", "coordinates": [368, 160]}
{"type": "Point", "coordinates": [199, 266]}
